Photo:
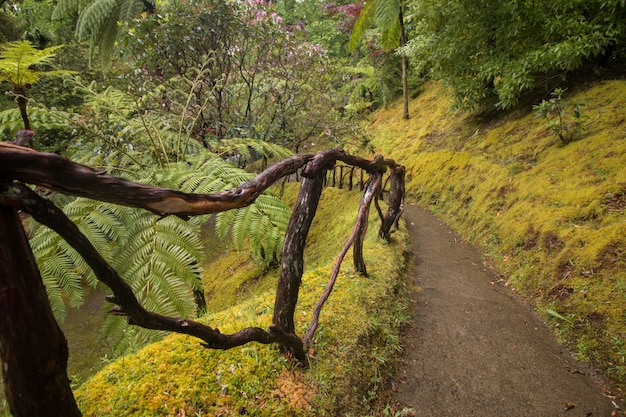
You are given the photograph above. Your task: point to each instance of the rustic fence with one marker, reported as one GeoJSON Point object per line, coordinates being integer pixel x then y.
{"type": "Point", "coordinates": [33, 348]}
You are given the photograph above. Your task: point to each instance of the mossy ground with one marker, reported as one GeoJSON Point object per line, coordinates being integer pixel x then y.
{"type": "Point", "coordinates": [551, 216]}
{"type": "Point", "coordinates": [351, 357]}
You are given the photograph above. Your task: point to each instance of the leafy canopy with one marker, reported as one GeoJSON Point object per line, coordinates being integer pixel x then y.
{"type": "Point", "coordinates": [492, 52]}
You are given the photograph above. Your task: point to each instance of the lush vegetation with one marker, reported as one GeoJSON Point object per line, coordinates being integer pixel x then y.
{"type": "Point", "coordinates": [353, 350]}
{"type": "Point", "coordinates": [550, 216]}
{"type": "Point", "coordinates": [494, 53]}
{"type": "Point", "coordinates": [198, 94]}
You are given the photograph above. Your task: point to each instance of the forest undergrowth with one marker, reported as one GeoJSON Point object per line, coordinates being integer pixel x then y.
{"type": "Point", "coordinates": [350, 360]}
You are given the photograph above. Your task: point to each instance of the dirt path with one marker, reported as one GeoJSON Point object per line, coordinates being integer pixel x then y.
{"type": "Point", "coordinates": [474, 349]}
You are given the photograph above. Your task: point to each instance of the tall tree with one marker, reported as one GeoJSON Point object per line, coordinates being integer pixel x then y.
{"type": "Point", "coordinates": [388, 16]}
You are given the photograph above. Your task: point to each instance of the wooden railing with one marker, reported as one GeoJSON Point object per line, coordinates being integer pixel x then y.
{"type": "Point", "coordinates": [34, 349]}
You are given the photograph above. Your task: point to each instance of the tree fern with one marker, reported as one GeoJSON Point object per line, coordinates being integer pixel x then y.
{"type": "Point", "coordinates": [158, 257]}
{"type": "Point", "coordinates": [387, 15]}
{"type": "Point", "coordinates": [261, 224]}
{"type": "Point", "coordinates": [364, 20]}
{"type": "Point", "coordinates": [160, 263]}
{"type": "Point", "coordinates": [18, 58]}
{"type": "Point", "coordinates": [97, 21]}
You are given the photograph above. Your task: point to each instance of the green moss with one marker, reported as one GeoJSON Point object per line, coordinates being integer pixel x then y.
{"type": "Point", "coordinates": [550, 216]}
{"type": "Point", "coordinates": [352, 353]}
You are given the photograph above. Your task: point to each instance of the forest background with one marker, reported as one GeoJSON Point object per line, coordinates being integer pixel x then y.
{"type": "Point", "coordinates": [199, 94]}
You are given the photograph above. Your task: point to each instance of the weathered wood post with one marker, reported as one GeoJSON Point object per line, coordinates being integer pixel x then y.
{"type": "Point", "coordinates": [292, 257]}
{"type": "Point", "coordinates": [396, 196]}
{"type": "Point", "coordinates": [33, 348]}
{"type": "Point", "coordinates": [371, 189]}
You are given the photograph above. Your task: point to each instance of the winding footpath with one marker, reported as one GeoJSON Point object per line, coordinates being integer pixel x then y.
{"type": "Point", "coordinates": [475, 349]}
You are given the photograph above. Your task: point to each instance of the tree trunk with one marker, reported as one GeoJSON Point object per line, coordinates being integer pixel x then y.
{"type": "Point", "coordinates": [292, 258]}
{"type": "Point", "coordinates": [405, 70]}
{"type": "Point", "coordinates": [22, 102]}
{"type": "Point", "coordinates": [33, 348]}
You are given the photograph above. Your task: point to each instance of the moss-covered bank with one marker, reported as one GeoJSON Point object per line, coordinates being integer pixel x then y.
{"type": "Point", "coordinates": [352, 355]}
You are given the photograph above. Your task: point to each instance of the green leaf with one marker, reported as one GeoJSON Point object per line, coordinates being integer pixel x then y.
{"type": "Point", "coordinates": [557, 315]}
{"type": "Point", "coordinates": [364, 20]}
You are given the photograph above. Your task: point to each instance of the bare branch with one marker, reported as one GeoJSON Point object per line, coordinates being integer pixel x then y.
{"type": "Point", "coordinates": [370, 191]}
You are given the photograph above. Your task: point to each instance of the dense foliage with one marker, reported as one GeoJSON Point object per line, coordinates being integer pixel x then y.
{"type": "Point", "coordinates": [252, 76]}
{"type": "Point", "coordinates": [492, 53]}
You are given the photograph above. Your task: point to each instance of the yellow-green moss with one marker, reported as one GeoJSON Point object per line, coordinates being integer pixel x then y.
{"type": "Point", "coordinates": [351, 355]}
{"type": "Point", "coordinates": [551, 216]}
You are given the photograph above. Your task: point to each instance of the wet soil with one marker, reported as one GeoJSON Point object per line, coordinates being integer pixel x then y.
{"type": "Point", "coordinates": [476, 349]}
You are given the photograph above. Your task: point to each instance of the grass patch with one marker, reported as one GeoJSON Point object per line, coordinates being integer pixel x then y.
{"type": "Point", "coordinates": [352, 354]}
{"type": "Point", "coordinates": [550, 216]}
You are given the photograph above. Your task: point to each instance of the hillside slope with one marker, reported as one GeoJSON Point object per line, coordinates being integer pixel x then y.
{"type": "Point", "coordinates": [349, 362]}
{"type": "Point", "coordinates": [550, 216]}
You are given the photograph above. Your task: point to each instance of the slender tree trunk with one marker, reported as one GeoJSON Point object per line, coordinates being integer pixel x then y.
{"type": "Point", "coordinates": [33, 348]}
{"type": "Point", "coordinates": [405, 70]}
{"type": "Point", "coordinates": [22, 102]}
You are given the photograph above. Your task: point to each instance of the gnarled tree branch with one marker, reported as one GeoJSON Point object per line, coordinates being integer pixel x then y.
{"type": "Point", "coordinates": [60, 174]}
{"type": "Point", "coordinates": [371, 189]}
{"type": "Point", "coordinates": [45, 212]}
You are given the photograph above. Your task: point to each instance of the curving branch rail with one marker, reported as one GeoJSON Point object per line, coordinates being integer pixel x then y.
{"type": "Point", "coordinates": [21, 286]}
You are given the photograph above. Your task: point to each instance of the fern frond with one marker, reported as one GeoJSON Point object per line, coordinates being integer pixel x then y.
{"type": "Point", "coordinates": [93, 17]}
{"type": "Point", "coordinates": [65, 8]}
{"type": "Point", "coordinates": [129, 10]}
{"type": "Point", "coordinates": [17, 59]}
{"type": "Point", "coordinates": [111, 100]}
{"type": "Point", "coordinates": [159, 260]}
{"type": "Point", "coordinates": [223, 222]}
{"type": "Point", "coordinates": [262, 224]}
{"type": "Point", "coordinates": [59, 275]}
{"type": "Point", "coordinates": [63, 270]}
{"type": "Point", "coordinates": [243, 146]}
{"type": "Point", "coordinates": [387, 18]}
{"type": "Point", "coordinates": [40, 118]}
{"type": "Point", "coordinates": [125, 338]}
{"type": "Point", "coordinates": [364, 20]}
{"type": "Point", "coordinates": [107, 35]}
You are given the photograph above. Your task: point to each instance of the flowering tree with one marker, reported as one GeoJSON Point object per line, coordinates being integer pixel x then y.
{"type": "Point", "coordinates": [250, 75]}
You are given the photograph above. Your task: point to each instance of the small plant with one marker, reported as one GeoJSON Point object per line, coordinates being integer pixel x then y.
{"type": "Point", "coordinates": [565, 120]}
